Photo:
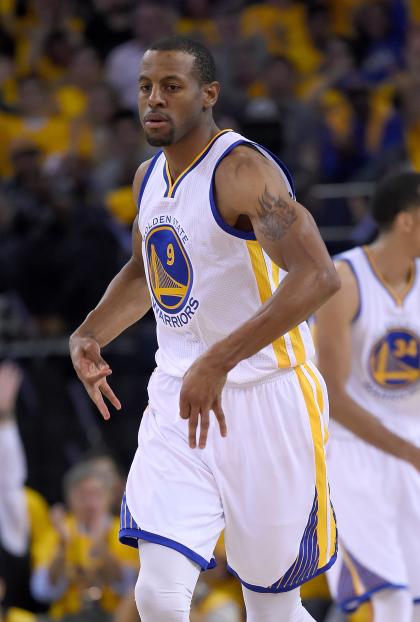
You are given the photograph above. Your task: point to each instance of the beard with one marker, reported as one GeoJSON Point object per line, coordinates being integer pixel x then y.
{"type": "Point", "coordinates": [161, 141]}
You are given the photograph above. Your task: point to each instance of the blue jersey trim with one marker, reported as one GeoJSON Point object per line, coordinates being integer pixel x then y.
{"type": "Point", "coordinates": [416, 601]}
{"type": "Point", "coordinates": [282, 165]}
{"type": "Point", "coordinates": [165, 177]}
{"type": "Point", "coordinates": [353, 269]}
{"type": "Point", "coordinates": [238, 233]}
{"type": "Point", "coordinates": [146, 178]}
{"type": "Point", "coordinates": [131, 537]}
{"type": "Point", "coordinates": [276, 590]}
{"type": "Point", "coordinates": [352, 604]}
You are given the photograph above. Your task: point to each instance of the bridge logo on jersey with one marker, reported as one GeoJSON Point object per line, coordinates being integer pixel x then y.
{"type": "Point", "coordinates": [169, 267]}
{"type": "Point", "coordinates": [395, 359]}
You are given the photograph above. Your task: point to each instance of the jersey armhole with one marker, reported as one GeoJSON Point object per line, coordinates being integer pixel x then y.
{"type": "Point", "coordinates": [239, 233]}
{"type": "Point", "coordinates": [352, 268]}
{"type": "Point", "coordinates": [146, 178]}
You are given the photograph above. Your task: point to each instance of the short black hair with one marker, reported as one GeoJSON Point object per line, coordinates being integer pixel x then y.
{"type": "Point", "coordinates": [394, 194]}
{"type": "Point", "coordinates": [203, 58]}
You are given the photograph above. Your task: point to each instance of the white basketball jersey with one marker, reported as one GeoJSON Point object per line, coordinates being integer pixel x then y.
{"type": "Point", "coordinates": [205, 277]}
{"type": "Point", "coordinates": [385, 362]}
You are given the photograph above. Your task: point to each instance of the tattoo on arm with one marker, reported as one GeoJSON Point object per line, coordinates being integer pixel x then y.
{"type": "Point", "coordinates": [276, 215]}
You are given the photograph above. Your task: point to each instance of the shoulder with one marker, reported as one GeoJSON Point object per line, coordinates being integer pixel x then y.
{"type": "Point", "coordinates": [138, 178]}
{"type": "Point", "coordinates": [347, 299]}
{"type": "Point", "coordinates": [346, 271]}
{"type": "Point", "coordinates": [243, 174]}
{"type": "Point", "coordinates": [347, 267]}
{"type": "Point", "coordinates": [242, 163]}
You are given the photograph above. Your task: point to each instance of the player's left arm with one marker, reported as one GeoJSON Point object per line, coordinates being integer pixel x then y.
{"type": "Point", "coordinates": [247, 184]}
{"type": "Point", "coordinates": [287, 232]}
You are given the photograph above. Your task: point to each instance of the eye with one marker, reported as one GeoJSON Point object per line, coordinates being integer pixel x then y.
{"type": "Point", "coordinates": [145, 88]}
{"type": "Point", "coordinates": [173, 88]}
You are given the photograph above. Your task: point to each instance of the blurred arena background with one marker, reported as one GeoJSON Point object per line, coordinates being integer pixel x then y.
{"type": "Point", "coordinates": [331, 86]}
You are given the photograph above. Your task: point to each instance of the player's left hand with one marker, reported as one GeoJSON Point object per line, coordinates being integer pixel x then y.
{"type": "Point", "coordinates": [201, 392]}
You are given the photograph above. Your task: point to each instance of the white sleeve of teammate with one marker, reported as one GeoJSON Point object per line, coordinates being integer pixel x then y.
{"type": "Point", "coordinates": [14, 523]}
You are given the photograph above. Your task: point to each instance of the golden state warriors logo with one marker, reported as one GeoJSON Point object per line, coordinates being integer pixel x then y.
{"type": "Point", "coordinates": [395, 359]}
{"type": "Point", "coordinates": [169, 267]}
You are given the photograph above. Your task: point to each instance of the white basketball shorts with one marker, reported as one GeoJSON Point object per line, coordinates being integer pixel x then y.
{"type": "Point", "coordinates": [377, 500]}
{"type": "Point", "coordinates": [265, 483]}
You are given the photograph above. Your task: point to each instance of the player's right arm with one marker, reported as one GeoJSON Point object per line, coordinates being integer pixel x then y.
{"type": "Point", "coordinates": [333, 337]}
{"type": "Point", "coordinates": [125, 301]}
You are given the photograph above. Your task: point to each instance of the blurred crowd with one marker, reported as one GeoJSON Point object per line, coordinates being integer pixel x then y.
{"type": "Point", "coordinates": [331, 86]}
{"type": "Point", "coordinates": [65, 562]}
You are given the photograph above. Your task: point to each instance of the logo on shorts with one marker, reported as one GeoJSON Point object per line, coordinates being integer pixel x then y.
{"type": "Point", "coordinates": [169, 267]}
{"type": "Point", "coordinates": [395, 359]}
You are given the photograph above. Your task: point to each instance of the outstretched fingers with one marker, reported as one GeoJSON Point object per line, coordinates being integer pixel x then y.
{"type": "Point", "coordinates": [97, 398]}
{"type": "Point", "coordinates": [109, 394]}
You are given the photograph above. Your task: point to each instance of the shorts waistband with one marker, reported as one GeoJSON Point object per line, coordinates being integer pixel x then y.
{"type": "Point", "coordinates": [269, 378]}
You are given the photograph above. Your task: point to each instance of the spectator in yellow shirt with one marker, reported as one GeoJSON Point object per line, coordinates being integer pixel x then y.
{"type": "Point", "coordinates": [38, 122]}
{"type": "Point", "coordinates": [82, 565]}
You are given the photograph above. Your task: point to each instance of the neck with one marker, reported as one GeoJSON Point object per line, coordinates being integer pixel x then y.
{"type": "Point", "coordinates": [182, 153]}
{"type": "Point", "coordinates": [392, 259]}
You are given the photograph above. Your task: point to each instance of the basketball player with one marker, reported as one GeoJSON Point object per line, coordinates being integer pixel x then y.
{"type": "Point", "coordinates": [369, 352]}
{"type": "Point", "coordinates": [232, 265]}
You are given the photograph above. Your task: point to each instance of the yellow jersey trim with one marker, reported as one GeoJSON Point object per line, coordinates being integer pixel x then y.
{"type": "Point", "coordinates": [398, 298]}
{"type": "Point", "coordinates": [264, 288]}
{"type": "Point", "coordinates": [298, 346]}
{"type": "Point", "coordinates": [174, 184]}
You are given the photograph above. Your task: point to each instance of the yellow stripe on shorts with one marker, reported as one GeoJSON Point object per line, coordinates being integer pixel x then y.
{"type": "Point", "coordinates": [320, 467]}
{"type": "Point", "coordinates": [263, 282]}
{"type": "Point", "coordinates": [320, 401]}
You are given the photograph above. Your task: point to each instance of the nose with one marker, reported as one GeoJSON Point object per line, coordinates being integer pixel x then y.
{"type": "Point", "coordinates": [156, 97]}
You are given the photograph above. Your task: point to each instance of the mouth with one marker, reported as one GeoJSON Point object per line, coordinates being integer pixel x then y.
{"type": "Point", "coordinates": [155, 120]}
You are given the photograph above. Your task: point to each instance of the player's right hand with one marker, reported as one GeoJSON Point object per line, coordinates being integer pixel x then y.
{"type": "Point", "coordinates": [93, 371]}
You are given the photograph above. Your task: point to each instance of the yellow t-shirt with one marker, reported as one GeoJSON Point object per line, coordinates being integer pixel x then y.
{"type": "Point", "coordinates": [71, 101]}
{"type": "Point", "coordinates": [55, 136]}
{"type": "Point", "coordinates": [120, 203]}
{"type": "Point", "coordinates": [79, 559]}
{"type": "Point", "coordinates": [281, 28]}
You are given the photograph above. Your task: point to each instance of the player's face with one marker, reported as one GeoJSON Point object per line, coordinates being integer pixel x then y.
{"type": "Point", "coordinates": [171, 100]}
{"type": "Point", "coordinates": [89, 500]}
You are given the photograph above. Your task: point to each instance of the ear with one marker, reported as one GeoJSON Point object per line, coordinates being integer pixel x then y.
{"type": "Point", "coordinates": [210, 94]}
{"type": "Point", "coordinates": [405, 222]}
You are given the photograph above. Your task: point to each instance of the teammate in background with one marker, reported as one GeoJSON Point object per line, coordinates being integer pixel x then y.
{"type": "Point", "coordinates": [369, 352]}
{"type": "Point", "coordinates": [232, 266]}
